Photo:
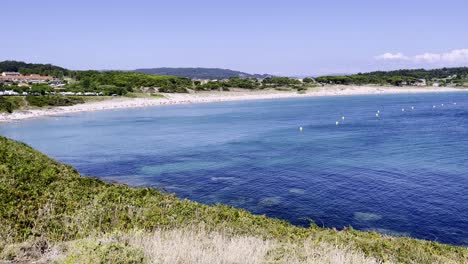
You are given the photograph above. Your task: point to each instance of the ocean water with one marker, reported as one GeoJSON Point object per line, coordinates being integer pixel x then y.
{"type": "Point", "coordinates": [404, 173]}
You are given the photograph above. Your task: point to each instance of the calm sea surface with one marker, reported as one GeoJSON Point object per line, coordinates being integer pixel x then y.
{"type": "Point", "coordinates": [402, 173]}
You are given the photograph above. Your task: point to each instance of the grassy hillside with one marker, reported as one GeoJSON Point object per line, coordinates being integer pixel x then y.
{"type": "Point", "coordinates": [47, 208]}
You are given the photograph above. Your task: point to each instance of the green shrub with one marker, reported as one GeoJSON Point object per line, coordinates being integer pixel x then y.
{"type": "Point", "coordinates": [6, 105]}
{"type": "Point", "coordinates": [173, 89]}
{"type": "Point", "coordinates": [89, 251]}
{"type": "Point", "coordinates": [10, 103]}
{"type": "Point", "coordinates": [41, 101]}
{"type": "Point", "coordinates": [158, 95]}
{"type": "Point", "coordinates": [112, 89]}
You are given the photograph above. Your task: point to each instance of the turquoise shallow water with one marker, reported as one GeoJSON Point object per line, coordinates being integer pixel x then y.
{"type": "Point", "coordinates": [404, 173]}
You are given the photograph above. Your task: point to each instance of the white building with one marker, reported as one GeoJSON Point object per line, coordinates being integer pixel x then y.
{"type": "Point", "coordinates": [11, 74]}
{"type": "Point", "coordinates": [10, 92]}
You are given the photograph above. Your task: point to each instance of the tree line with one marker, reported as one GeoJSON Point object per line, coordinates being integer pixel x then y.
{"type": "Point", "coordinates": [118, 82]}
{"type": "Point", "coordinates": [398, 77]}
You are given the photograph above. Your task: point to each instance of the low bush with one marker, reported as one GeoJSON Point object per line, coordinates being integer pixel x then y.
{"type": "Point", "coordinates": [91, 251]}
{"type": "Point", "coordinates": [6, 105]}
{"type": "Point", "coordinates": [41, 101]}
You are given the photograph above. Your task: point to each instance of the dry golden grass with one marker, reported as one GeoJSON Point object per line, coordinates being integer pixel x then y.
{"type": "Point", "coordinates": [196, 245]}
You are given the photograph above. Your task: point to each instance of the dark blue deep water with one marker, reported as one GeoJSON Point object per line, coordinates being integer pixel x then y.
{"type": "Point", "coordinates": [404, 173]}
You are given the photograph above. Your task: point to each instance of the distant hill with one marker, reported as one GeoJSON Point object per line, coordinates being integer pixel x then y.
{"type": "Point", "coordinates": [201, 73]}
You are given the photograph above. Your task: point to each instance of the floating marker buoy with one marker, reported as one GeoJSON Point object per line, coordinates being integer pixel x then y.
{"type": "Point", "coordinates": [300, 129]}
{"type": "Point", "coordinates": [377, 114]}
{"type": "Point", "coordinates": [412, 108]}
{"type": "Point", "coordinates": [433, 106]}
{"type": "Point", "coordinates": [342, 118]}
{"type": "Point", "coordinates": [337, 123]}
{"type": "Point", "coordinates": [378, 111]}
{"type": "Point", "coordinates": [442, 104]}
{"type": "Point", "coordinates": [454, 103]}
{"type": "Point", "coordinates": [402, 109]}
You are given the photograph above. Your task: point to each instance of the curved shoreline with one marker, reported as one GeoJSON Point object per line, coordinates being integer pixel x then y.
{"type": "Point", "coordinates": [210, 97]}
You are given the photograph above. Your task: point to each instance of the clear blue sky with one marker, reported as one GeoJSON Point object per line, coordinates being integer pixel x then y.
{"type": "Point", "coordinates": [279, 37]}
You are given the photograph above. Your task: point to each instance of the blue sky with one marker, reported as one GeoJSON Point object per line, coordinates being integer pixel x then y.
{"type": "Point", "coordinates": [280, 37]}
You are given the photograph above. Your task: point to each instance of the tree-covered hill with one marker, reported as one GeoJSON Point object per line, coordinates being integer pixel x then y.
{"type": "Point", "coordinates": [201, 73]}
{"type": "Point", "coordinates": [33, 68]}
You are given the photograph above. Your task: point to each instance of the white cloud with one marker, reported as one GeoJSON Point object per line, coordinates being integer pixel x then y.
{"type": "Point", "coordinates": [428, 57]}
{"type": "Point", "coordinates": [460, 55]}
{"type": "Point", "coordinates": [391, 56]}
{"type": "Point", "coordinates": [454, 56]}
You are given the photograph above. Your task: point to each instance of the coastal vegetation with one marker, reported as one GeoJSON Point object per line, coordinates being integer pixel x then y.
{"type": "Point", "coordinates": [8, 104]}
{"type": "Point", "coordinates": [48, 210]}
{"type": "Point", "coordinates": [224, 85]}
{"type": "Point", "coordinates": [118, 82]}
{"type": "Point", "coordinates": [41, 101]}
{"type": "Point", "coordinates": [280, 82]}
{"type": "Point", "coordinates": [441, 77]}
{"type": "Point", "coordinates": [250, 83]}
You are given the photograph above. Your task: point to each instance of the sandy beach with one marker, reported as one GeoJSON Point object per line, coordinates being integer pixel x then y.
{"type": "Point", "coordinates": [215, 96]}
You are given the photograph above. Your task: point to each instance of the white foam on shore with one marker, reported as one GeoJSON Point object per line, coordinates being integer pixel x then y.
{"type": "Point", "coordinates": [209, 97]}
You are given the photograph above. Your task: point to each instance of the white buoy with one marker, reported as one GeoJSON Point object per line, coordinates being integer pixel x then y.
{"type": "Point", "coordinates": [454, 103]}
{"type": "Point", "coordinates": [337, 123]}
{"type": "Point", "coordinates": [433, 106]}
{"type": "Point", "coordinates": [378, 111]}
{"type": "Point", "coordinates": [377, 114]}
{"type": "Point", "coordinates": [442, 104]}
{"type": "Point", "coordinates": [300, 129]}
{"type": "Point", "coordinates": [342, 118]}
{"type": "Point", "coordinates": [402, 109]}
{"type": "Point", "coordinates": [412, 108]}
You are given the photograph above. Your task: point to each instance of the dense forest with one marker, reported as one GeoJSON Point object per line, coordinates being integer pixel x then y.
{"type": "Point", "coordinates": [202, 73]}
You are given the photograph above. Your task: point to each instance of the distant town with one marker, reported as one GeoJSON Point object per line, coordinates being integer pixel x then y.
{"type": "Point", "coordinates": [11, 79]}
